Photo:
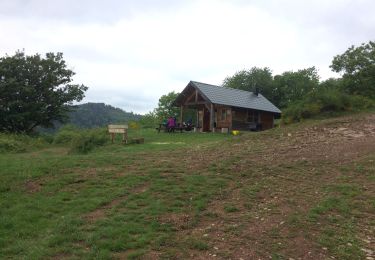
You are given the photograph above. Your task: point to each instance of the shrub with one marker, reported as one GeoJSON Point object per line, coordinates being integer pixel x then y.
{"type": "Point", "coordinates": [66, 135]}
{"type": "Point", "coordinates": [361, 102]}
{"type": "Point", "coordinates": [86, 140]}
{"type": "Point", "coordinates": [16, 143]}
{"type": "Point", "coordinates": [81, 140]}
{"type": "Point", "coordinates": [48, 138]}
{"type": "Point", "coordinates": [325, 101]}
{"type": "Point", "coordinates": [11, 145]}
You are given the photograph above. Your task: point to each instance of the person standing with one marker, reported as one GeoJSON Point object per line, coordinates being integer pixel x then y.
{"type": "Point", "coordinates": [171, 124]}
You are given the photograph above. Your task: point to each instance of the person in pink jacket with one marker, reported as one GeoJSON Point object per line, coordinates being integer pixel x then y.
{"type": "Point", "coordinates": [171, 124]}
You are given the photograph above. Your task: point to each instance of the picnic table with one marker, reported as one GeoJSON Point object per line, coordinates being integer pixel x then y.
{"type": "Point", "coordinates": [173, 129]}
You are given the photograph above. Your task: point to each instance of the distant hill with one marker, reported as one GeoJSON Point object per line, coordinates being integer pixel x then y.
{"type": "Point", "coordinates": [99, 114]}
{"type": "Point", "coordinates": [91, 115]}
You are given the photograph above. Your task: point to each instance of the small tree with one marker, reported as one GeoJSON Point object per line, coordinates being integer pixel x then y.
{"type": "Point", "coordinates": [165, 108]}
{"type": "Point", "coordinates": [149, 120]}
{"type": "Point", "coordinates": [248, 80]}
{"type": "Point", "coordinates": [35, 91]}
{"type": "Point", "coordinates": [292, 86]}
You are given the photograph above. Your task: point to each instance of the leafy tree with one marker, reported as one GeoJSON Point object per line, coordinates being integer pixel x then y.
{"type": "Point", "coordinates": [149, 120]}
{"type": "Point", "coordinates": [293, 86]}
{"type": "Point", "coordinates": [358, 67]}
{"type": "Point", "coordinates": [281, 89]}
{"type": "Point", "coordinates": [331, 83]}
{"type": "Point", "coordinates": [35, 91]}
{"type": "Point", "coordinates": [165, 108]}
{"type": "Point", "coordinates": [248, 80]}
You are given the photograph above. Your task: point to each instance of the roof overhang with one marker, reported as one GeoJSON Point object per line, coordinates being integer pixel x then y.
{"type": "Point", "coordinates": [184, 94]}
{"type": "Point", "coordinates": [191, 86]}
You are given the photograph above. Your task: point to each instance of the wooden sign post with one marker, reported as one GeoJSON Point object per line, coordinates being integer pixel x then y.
{"type": "Point", "coordinates": [119, 129]}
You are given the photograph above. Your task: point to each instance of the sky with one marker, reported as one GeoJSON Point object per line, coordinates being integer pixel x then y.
{"type": "Point", "coordinates": [129, 53]}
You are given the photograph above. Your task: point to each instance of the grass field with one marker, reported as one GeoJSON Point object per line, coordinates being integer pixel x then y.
{"type": "Point", "coordinates": [302, 191]}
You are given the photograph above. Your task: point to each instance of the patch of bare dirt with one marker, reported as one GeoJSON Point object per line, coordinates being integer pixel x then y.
{"type": "Point", "coordinates": [33, 186]}
{"type": "Point", "coordinates": [178, 221]}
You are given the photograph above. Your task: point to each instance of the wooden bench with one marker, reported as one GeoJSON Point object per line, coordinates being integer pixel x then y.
{"type": "Point", "coordinates": [255, 126]}
{"type": "Point", "coordinates": [161, 127]}
{"type": "Point", "coordinates": [176, 128]}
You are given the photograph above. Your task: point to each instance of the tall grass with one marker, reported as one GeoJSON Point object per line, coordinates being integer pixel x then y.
{"type": "Point", "coordinates": [81, 140]}
{"type": "Point", "coordinates": [16, 143]}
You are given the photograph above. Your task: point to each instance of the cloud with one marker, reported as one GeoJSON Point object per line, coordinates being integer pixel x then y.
{"type": "Point", "coordinates": [131, 52]}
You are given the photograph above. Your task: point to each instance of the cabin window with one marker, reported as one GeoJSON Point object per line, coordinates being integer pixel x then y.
{"type": "Point", "coordinates": [250, 116]}
{"type": "Point", "coordinates": [253, 116]}
{"type": "Point", "coordinates": [256, 117]}
{"type": "Point", "coordinates": [223, 114]}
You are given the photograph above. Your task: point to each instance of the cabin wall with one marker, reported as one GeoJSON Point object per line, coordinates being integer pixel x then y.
{"type": "Point", "coordinates": [223, 117]}
{"type": "Point", "coordinates": [234, 118]}
{"type": "Point", "coordinates": [242, 118]}
{"type": "Point", "coordinates": [239, 120]}
{"type": "Point", "coordinates": [267, 120]}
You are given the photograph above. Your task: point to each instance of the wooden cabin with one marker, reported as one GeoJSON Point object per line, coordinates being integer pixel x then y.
{"type": "Point", "coordinates": [220, 108]}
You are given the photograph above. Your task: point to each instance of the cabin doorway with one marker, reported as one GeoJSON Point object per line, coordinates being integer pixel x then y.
{"type": "Point", "coordinates": [206, 120]}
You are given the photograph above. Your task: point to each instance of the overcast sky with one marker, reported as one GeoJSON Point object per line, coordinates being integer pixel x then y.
{"type": "Point", "coordinates": [129, 53]}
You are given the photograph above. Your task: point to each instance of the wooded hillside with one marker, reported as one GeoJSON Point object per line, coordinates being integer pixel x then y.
{"type": "Point", "coordinates": [90, 115]}
{"type": "Point", "coordinates": [99, 114]}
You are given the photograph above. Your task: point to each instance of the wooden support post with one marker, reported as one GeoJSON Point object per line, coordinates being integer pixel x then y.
{"type": "Point", "coordinates": [118, 129]}
{"type": "Point", "coordinates": [125, 137]}
{"type": "Point", "coordinates": [181, 112]}
{"type": "Point", "coordinates": [197, 122]}
{"type": "Point", "coordinates": [196, 96]}
{"type": "Point", "coordinates": [231, 120]}
{"type": "Point", "coordinates": [212, 118]}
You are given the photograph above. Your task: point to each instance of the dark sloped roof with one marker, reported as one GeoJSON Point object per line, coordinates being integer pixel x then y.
{"type": "Point", "coordinates": [235, 97]}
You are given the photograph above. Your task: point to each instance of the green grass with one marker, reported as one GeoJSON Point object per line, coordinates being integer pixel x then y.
{"type": "Point", "coordinates": [126, 201]}
{"type": "Point", "coordinates": [46, 194]}
{"type": "Point", "coordinates": [197, 244]}
{"type": "Point", "coordinates": [229, 208]}
{"type": "Point", "coordinates": [340, 211]}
